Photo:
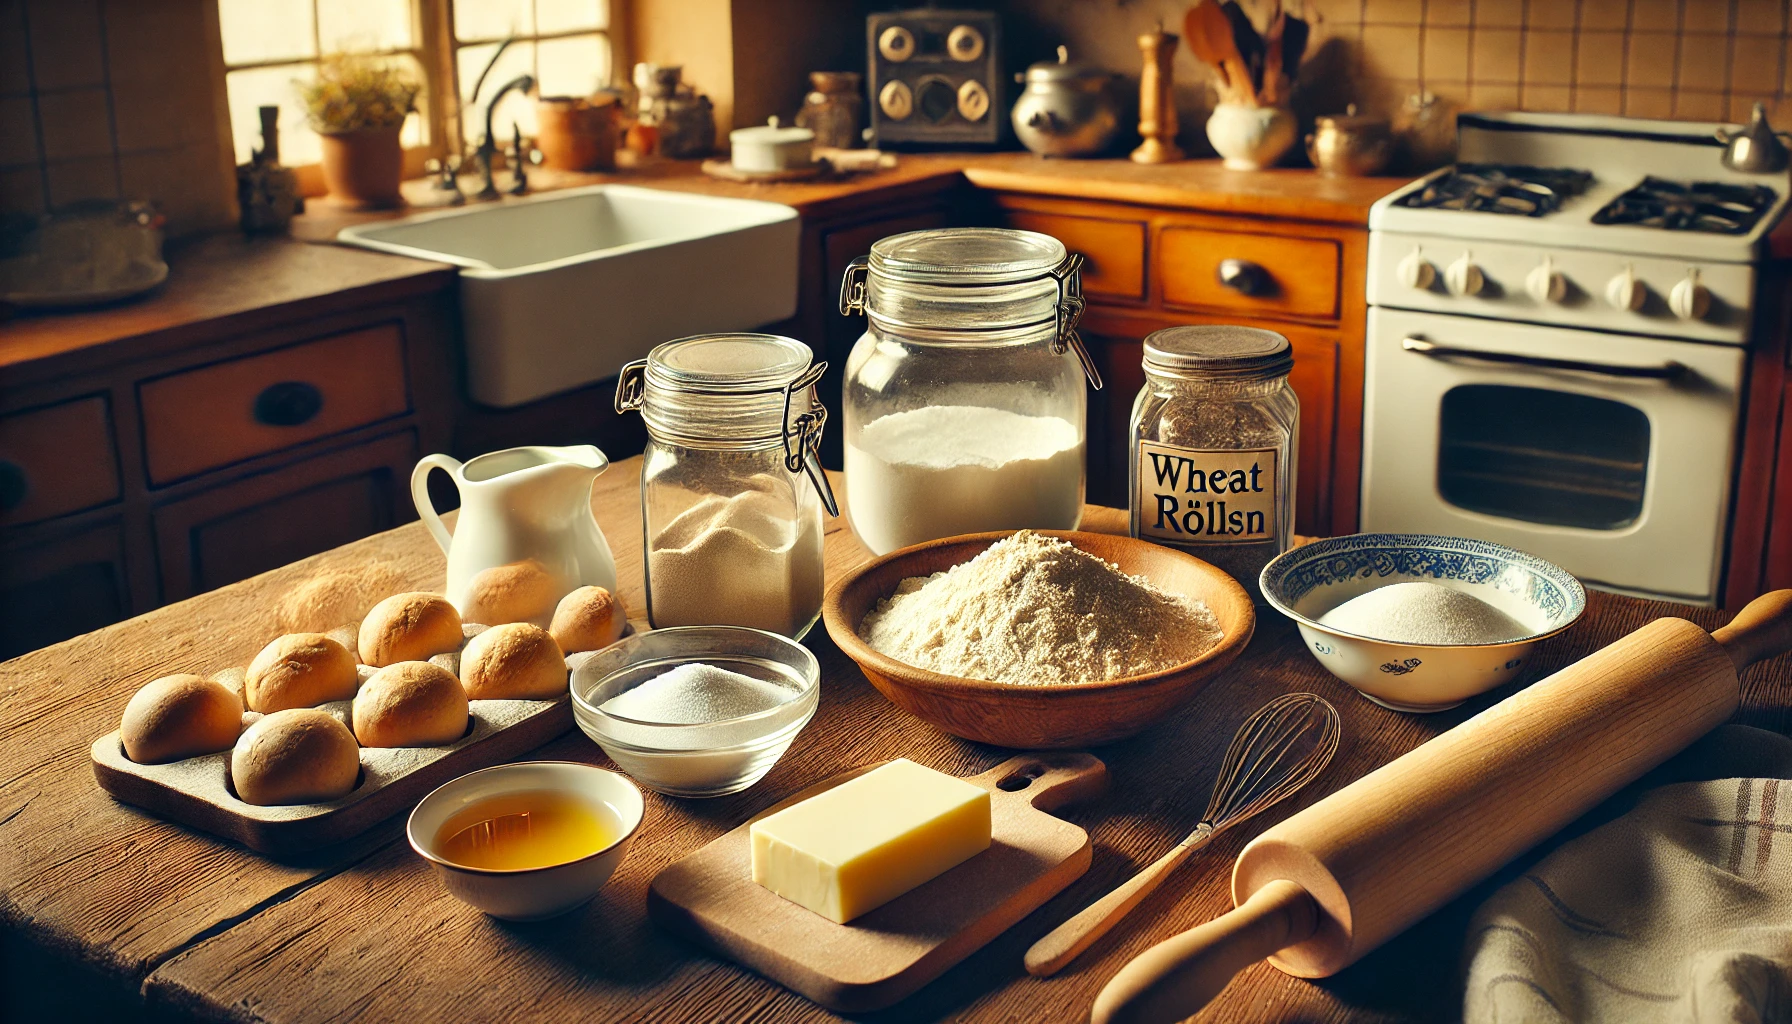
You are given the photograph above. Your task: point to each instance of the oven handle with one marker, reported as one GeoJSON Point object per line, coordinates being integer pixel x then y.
{"type": "Point", "coordinates": [1663, 371]}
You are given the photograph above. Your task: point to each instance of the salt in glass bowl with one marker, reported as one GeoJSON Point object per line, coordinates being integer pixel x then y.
{"type": "Point", "coordinates": [1306, 582]}
{"type": "Point", "coordinates": [711, 758]}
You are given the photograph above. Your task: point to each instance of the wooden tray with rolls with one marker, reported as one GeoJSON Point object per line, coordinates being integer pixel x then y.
{"type": "Point", "coordinates": [510, 708]}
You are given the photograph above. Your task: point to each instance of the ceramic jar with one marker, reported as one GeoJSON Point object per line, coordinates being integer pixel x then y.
{"type": "Point", "coordinates": [1067, 109]}
{"type": "Point", "coordinates": [1250, 138]}
{"type": "Point", "coordinates": [770, 148]}
{"type": "Point", "coordinates": [833, 110]}
{"type": "Point", "coordinates": [1349, 145]}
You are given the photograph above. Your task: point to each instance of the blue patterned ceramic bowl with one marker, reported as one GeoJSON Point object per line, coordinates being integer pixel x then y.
{"type": "Point", "coordinates": [1306, 582]}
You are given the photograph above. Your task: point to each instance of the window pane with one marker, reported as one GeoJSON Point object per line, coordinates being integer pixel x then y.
{"type": "Point", "coordinates": [518, 60]}
{"type": "Point", "coordinates": [256, 87]}
{"type": "Point", "coordinates": [493, 19]}
{"type": "Point", "coordinates": [570, 15]}
{"type": "Point", "coordinates": [262, 30]}
{"type": "Point", "coordinates": [361, 25]}
{"type": "Point", "coordinates": [576, 66]}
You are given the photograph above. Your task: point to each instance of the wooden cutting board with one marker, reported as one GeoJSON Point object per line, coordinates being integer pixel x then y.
{"type": "Point", "coordinates": [877, 959]}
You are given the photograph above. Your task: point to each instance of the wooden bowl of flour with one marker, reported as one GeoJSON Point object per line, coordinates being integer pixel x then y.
{"type": "Point", "coordinates": [1040, 716]}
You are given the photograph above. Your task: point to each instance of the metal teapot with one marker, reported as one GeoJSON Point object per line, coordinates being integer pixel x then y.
{"type": "Point", "coordinates": [1756, 149]}
{"type": "Point", "coordinates": [1350, 145]}
{"type": "Point", "coordinates": [1067, 109]}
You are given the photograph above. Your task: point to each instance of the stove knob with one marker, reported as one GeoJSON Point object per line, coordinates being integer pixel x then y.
{"type": "Point", "coordinates": [1463, 277]}
{"type": "Point", "coordinates": [1546, 284]}
{"type": "Point", "coordinates": [1625, 292]}
{"type": "Point", "coordinates": [1415, 271]}
{"type": "Point", "coordinates": [1689, 299]}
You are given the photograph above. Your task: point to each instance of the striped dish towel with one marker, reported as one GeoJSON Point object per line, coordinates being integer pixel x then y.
{"type": "Point", "coordinates": [1679, 910]}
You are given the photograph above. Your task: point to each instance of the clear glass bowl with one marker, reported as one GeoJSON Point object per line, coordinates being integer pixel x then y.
{"type": "Point", "coordinates": [711, 758]}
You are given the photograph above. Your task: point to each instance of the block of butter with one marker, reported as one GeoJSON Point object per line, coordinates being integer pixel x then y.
{"type": "Point", "coordinates": [863, 843]}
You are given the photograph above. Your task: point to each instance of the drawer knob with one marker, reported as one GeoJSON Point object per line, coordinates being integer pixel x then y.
{"type": "Point", "coordinates": [14, 488]}
{"type": "Point", "coordinates": [1245, 277]}
{"type": "Point", "coordinates": [288, 403]}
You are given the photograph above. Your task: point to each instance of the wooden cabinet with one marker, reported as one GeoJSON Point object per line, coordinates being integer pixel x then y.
{"type": "Point", "coordinates": [261, 523]}
{"type": "Point", "coordinates": [1303, 280]}
{"type": "Point", "coordinates": [57, 585]}
{"type": "Point", "coordinates": [56, 460]}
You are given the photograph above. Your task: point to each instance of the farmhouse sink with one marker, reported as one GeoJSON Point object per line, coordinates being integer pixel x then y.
{"type": "Point", "coordinates": [562, 289]}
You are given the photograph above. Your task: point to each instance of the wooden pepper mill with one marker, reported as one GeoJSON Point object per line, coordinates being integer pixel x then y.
{"type": "Point", "coordinates": [1157, 100]}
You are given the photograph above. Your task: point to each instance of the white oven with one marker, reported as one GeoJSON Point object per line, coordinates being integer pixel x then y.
{"type": "Point", "coordinates": [1608, 454]}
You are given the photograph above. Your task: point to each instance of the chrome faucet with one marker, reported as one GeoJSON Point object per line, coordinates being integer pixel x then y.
{"type": "Point", "coordinates": [488, 145]}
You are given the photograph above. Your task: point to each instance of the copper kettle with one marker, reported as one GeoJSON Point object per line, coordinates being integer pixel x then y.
{"type": "Point", "coordinates": [1756, 149]}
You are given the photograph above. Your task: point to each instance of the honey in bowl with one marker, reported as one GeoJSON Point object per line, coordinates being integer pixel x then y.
{"type": "Point", "coordinates": [519, 831]}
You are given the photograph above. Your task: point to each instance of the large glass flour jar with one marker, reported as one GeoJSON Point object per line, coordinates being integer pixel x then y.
{"type": "Point", "coordinates": [732, 490]}
{"type": "Point", "coordinates": [1215, 431]}
{"type": "Point", "coordinates": [964, 402]}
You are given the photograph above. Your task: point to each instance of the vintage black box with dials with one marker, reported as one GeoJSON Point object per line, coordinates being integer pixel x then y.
{"type": "Point", "coordinates": [935, 77]}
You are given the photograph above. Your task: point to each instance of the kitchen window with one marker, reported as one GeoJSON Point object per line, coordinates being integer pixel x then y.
{"type": "Point", "coordinates": [269, 45]}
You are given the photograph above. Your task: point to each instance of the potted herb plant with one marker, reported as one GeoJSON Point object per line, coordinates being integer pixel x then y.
{"type": "Point", "coordinates": [358, 104]}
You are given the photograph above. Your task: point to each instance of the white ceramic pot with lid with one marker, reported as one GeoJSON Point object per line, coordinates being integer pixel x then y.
{"type": "Point", "coordinates": [771, 147]}
{"type": "Point", "coordinates": [964, 400]}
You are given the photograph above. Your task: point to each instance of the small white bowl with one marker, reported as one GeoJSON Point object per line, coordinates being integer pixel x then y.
{"type": "Point", "coordinates": [530, 894]}
{"type": "Point", "coordinates": [1306, 582]}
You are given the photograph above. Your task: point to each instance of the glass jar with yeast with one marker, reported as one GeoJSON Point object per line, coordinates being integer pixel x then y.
{"type": "Point", "coordinates": [732, 490]}
{"type": "Point", "coordinates": [964, 402]}
{"type": "Point", "coordinates": [1215, 432]}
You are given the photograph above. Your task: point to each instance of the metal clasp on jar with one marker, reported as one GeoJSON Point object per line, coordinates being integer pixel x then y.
{"type": "Point", "coordinates": [802, 436]}
{"type": "Point", "coordinates": [1069, 275]}
{"type": "Point", "coordinates": [852, 286]}
{"type": "Point", "coordinates": [631, 385]}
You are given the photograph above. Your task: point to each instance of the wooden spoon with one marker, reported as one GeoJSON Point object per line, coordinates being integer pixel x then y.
{"type": "Point", "coordinates": [1209, 34]}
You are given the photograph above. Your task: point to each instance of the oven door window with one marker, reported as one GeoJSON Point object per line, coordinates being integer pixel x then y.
{"type": "Point", "coordinates": [1542, 456]}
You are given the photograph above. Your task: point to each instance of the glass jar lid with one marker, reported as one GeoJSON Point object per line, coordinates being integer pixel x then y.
{"type": "Point", "coordinates": [966, 256]}
{"type": "Point", "coordinates": [1218, 352]}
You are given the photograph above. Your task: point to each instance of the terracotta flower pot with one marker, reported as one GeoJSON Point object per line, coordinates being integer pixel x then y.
{"type": "Point", "coordinates": [362, 169]}
{"type": "Point", "coordinates": [576, 134]}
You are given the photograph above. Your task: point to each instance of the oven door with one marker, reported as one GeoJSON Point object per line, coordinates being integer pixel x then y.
{"type": "Point", "coordinates": [1606, 454]}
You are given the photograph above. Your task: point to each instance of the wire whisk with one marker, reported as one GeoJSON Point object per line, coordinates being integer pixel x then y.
{"type": "Point", "coordinates": [1278, 750]}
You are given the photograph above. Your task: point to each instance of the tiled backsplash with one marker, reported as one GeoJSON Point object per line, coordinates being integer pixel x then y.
{"type": "Point", "coordinates": [114, 99]}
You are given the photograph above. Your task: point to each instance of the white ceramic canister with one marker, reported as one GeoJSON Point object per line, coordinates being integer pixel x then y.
{"type": "Point", "coordinates": [1250, 138]}
{"type": "Point", "coordinates": [770, 147]}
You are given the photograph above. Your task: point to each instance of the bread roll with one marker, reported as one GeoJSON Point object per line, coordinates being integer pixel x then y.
{"type": "Point", "coordinates": [410, 704]}
{"type": "Point", "coordinates": [517, 661]}
{"type": "Point", "coordinates": [588, 619]}
{"type": "Point", "coordinates": [334, 598]}
{"type": "Point", "coordinates": [180, 716]}
{"type": "Point", "coordinates": [515, 592]}
{"type": "Point", "coordinates": [296, 756]}
{"type": "Point", "coordinates": [299, 670]}
{"type": "Point", "coordinates": [408, 627]}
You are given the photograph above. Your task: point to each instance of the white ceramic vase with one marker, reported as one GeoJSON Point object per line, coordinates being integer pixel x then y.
{"type": "Point", "coordinates": [1250, 138]}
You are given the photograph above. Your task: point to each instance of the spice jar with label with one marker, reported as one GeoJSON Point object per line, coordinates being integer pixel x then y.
{"type": "Point", "coordinates": [732, 489]}
{"type": "Point", "coordinates": [964, 401]}
{"type": "Point", "coordinates": [1214, 437]}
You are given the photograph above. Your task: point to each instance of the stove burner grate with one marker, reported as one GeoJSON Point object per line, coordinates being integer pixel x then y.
{"type": "Point", "coordinates": [1709, 206]}
{"type": "Point", "coordinates": [1500, 188]}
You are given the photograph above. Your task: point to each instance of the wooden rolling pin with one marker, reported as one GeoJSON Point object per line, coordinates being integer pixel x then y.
{"type": "Point", "coordinates": [1334, 881]}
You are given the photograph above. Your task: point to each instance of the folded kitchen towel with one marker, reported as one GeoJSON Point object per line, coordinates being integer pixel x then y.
{"type": "Point", "coordinates": [1678, 910]}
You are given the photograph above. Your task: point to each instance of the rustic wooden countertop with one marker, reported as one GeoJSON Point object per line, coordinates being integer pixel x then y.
{"type": "Point", "coordinates": [365, 930]}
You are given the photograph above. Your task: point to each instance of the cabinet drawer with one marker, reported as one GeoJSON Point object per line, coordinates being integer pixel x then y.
{"type": "Point", "coordinates": [210, 417]}
{"type": "Point", "coordinates": [1113, 250]}
{"type": "Point", "coordinates": [1292, 276]}
{"type": "Point", "coordinates": [56, 460]}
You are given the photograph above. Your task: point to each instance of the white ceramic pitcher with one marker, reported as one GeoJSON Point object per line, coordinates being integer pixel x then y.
{"type": "Point", "coordinates": [520, 506]}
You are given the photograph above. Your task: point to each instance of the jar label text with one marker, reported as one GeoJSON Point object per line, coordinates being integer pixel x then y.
{"type": "Point", "coordinates": [1196, 496]}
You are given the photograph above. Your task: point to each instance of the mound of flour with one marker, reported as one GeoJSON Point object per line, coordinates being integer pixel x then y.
{"type": "Point", "coordinates": [1033, 610]}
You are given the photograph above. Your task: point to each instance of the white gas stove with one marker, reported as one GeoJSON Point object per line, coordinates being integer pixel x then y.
{"type": "Point", "coordinates": [1557, 335]}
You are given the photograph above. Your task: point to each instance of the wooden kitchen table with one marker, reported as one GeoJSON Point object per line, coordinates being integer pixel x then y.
{"type": "Point", "coordinates": [206, 929]}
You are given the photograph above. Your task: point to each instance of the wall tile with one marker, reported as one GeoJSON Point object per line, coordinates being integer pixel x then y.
{"type": "Point", "coordinates": [22, 190]}
{"type": "Point", "coordinates": [154, 119]}
{"type": "Point", "coordinates": [15, 64]}
{"type": "Point", "coordinates": [1701, 106]}
{"type": "Point", "coordinates": [1704, 62]}
{"type": "Point", "coordinates": [1760, 16]}
{"type": "Point", "coordinates": [1393, 12]}
{"type": "Point", "coordinates": [1743, 107]}
{"type": "Point", "coordinates": [18, 139]}
{"type": "Point", "coordinates": [1495, 53]}
{"type": "Point", "coordinates": [1550, 14]}
{"type": "Point", "coordinates": [1555, 98]}
{"type": "Point", "coordinates": [1499, 13]}
{"type": "Point", "coordinates": [74, 180]}
{"type": "Point", "coordinates": [1548, 58]}
{"type": "Point", "coordinates": [1449, 13]}
{"type": "Point", "coordinates": [1650, 61]}
{"type": "Point", "coordinates": [75, 124]}
{"type": "Point", "coordinates": [1598, 14]}
{"type": "Point", "coordinates": [1755, 64]}
{"type": "Point", "coordinates": [1705, 16]}
{"type": "Point", "coordinates": [183, 183]}
{"type": "Point", "coordinates": [1655, 15]}
{"type": "Point", "coordinates": [1446, 55]}
{"type": "Point", "coordinates": [1338, 11]}
{"type": "Point", "coordinates": [1598, 100]}
{"type": "Point", "coordinates": [1599, 58]}
{"type": "Point", "coordinates": [1648, 102]}
{"type": "Point", "coordinates": [1493, 95]}
{"type": "Point", "coordinates": [1391, 51]}
{"type": "Point", "coordinates": [66, 43]}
